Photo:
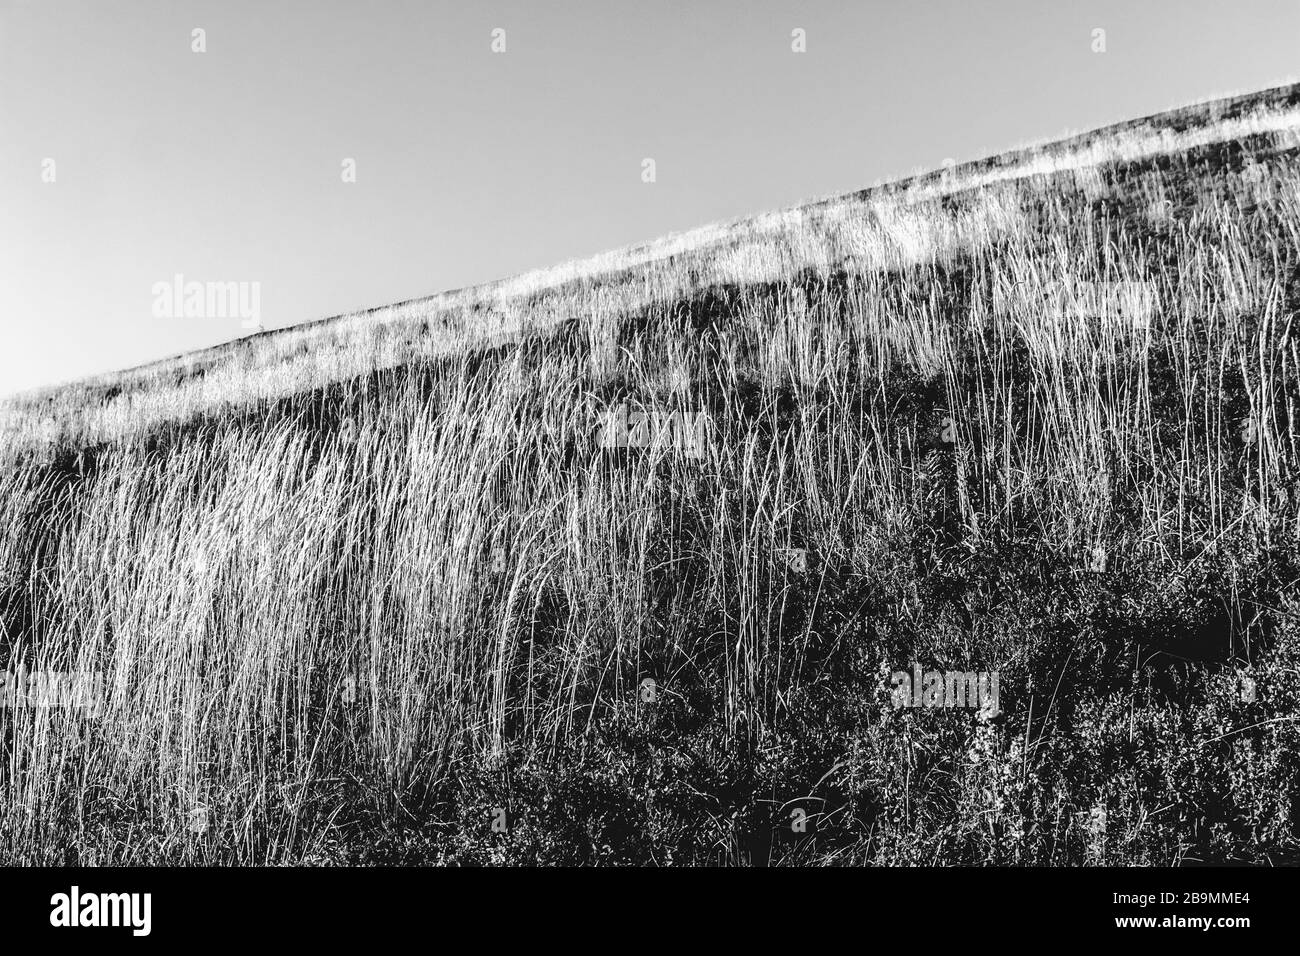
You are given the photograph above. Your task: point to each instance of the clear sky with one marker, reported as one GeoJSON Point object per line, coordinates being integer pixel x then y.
{"type": "Point", "coordinates": [226, 165]}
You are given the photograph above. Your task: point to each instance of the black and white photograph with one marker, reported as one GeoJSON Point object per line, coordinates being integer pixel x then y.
{"type": "Point", "coordinates": [502, 436]}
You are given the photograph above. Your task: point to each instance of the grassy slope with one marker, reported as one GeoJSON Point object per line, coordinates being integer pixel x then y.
{"type": "Point", "coordinates": [233, 536]}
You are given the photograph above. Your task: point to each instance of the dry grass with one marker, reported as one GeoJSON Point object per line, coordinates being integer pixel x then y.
{"type": "Point", "coordinates": [1072, 367]}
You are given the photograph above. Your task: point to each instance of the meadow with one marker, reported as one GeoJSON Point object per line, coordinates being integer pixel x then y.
{"type": "Point", "coordinates": [380, 589]}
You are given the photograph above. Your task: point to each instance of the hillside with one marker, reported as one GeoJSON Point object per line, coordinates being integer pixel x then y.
{"type": "Point", "coordinates": [620, 562]}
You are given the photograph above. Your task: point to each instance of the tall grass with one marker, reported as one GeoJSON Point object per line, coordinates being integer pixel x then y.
{"type": "Point", "coordinates": [984, 469]}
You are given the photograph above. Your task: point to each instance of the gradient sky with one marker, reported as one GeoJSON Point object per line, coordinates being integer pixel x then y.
{"type": "Point", "coordinates": [225, 165]}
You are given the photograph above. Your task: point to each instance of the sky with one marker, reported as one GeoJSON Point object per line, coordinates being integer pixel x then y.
{"type": "Point", "coordinates": [230, 164]}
